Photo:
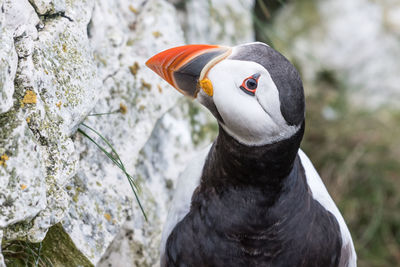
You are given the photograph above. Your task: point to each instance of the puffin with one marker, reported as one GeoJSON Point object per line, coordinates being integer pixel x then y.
{"type": "Point", "coordinates": [252, 198]}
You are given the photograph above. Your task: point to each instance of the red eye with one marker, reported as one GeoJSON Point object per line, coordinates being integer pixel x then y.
{"type": "Point", "coordinates": [249, 85]}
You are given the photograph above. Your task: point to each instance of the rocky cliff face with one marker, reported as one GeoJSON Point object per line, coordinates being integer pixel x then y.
{"type": "Point", "coordinates": [64, 62]}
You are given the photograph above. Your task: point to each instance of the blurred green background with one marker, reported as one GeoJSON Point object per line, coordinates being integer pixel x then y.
{"type": "Point", "coordinates": [352, 140]}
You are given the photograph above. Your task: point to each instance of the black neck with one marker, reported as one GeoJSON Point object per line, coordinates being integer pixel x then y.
{"type": "Point", "coordinates": [230, 162]}
{"type": "Point", "coordinates": [254, 208]}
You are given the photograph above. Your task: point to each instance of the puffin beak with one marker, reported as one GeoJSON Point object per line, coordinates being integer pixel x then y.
{"type": "Point", "coordinates": [186, 67]}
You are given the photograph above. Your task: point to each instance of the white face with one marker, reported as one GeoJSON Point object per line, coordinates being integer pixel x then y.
{"type": "Point", "coordinates": [250, 119]}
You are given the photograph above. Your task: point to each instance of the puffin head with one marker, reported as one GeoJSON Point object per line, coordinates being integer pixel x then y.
{"type": "Point", "coordinates": [253, 91]}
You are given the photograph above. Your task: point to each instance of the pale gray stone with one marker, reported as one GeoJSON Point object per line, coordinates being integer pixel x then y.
{"type": "Point", "coordinates": [8, 63]}
{"type": "Point", "coordinates": [19, 13]}
{"type": "Point", "coordinates": [22, 185]}
{"type": "Point", "coordinates": [48, 7]}
{"type": "Point", "coordinates": [57, 69]}
{"type": "Point", "coordinates": [102, 196]}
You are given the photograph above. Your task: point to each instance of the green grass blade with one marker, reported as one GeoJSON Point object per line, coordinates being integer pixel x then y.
{"type": "Point", "coordinates": [105, 113]}
{"type": "Point", "coordinates": [264, 9]}
{"type": "Point", "coordinates": [120, 164]}
{"type": "Point", "coordinates": [38, 255]}
{"type": "Point", "coordinates": [105, 140]}
{"type": "Point", "coordinates": [114, 157]}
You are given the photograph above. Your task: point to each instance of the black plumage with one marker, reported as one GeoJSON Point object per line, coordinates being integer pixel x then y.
{"type": "Point", "coordinates": [253, 207]}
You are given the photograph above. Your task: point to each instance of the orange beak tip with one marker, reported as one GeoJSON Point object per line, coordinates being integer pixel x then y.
{"type": "Point", "coordinates": [148, 64]}
{"type": "Point", "coordinates": [182, 66]}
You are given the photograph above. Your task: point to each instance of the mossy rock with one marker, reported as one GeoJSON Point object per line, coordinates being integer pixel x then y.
{"type": "Point", "coordinates": [57, 249]}
{"type": "Point", "coordinates": [61, 251]}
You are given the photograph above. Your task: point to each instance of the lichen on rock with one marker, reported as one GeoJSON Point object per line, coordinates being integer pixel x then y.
{"type": "Point", "coordinates": [32, 131]}
{"type": "Point", "coordinates": [8, 64]}
{"type": "Point", "coordinates": [29, 97]}
{"type": "Point", "coordinates": [16, 141]}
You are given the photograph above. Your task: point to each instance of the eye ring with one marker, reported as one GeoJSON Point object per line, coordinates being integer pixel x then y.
{"type": "Point", "coordinates": [249, 85]}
